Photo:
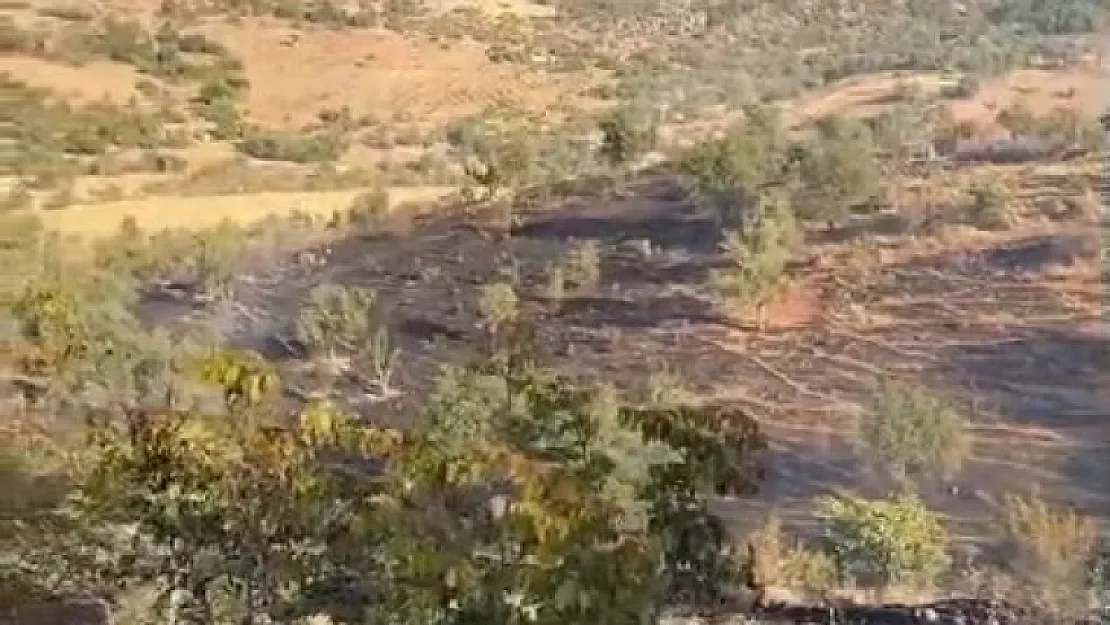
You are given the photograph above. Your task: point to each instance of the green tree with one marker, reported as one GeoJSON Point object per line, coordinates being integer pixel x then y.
{"type": "Point", "coordinates": [910, 433]}
{"type": "Point", "coordinates": [730, 173]}
{"type": "Point", "coordinates": [757, 256]}
{"type": "Point", "coordinates": [838, 171]}
{"type": "Point", "coordinates": [516, 499]}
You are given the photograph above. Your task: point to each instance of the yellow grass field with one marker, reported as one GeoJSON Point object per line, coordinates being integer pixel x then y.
{"type": "Point", "coordinates": [200, 212]}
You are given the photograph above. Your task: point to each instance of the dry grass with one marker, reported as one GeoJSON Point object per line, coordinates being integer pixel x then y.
{"type": "Point", "coordinates": [197, 213]}
{"type": "Point", "coordinates": [296, 74]}
{"type": "Point", "coordinates": [781, 562]}
{"type": "Point", "coordinates": [1042, 91]}
{"type": "Point", "coordinates": [96, 81]}
{"type": "Point", "coordinates": [1050, 549]}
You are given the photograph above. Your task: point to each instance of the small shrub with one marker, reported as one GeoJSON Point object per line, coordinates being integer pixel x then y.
{"type": "Point", "coordinates": [911, 433]}
{"type": "Point", "coordinates": [1067, 126]}
{"type": "Point", "coordinates": [62, 198]}
{"type": "Point", "coordinates": [554, 284]}
{"type": "Point", "coordinates": [667, 388]}
{"type": "Point", "coordinates": [626, 135]}
{"type": "Point", "coordinates": [218, 258]}
{"type": "Point", "coordinates": [18, 197]}
{"type": "Point", "coordinates": [581, 267]}
{"type": "Point", "coordinates": [883, 543]}
{"type": "Point", "coordinates": [225, 119]}
{"type": "Point", "coordinates": [781, 563]}
{"type": "Point", "coordinates": [989, 205]}
{"type": "Point", "coordinates": [497, 164]}
{"type": "Point", "coordinates": [1087, 205]}
{"type": "Point", "coordinates": [757, 257]}
{"type": "Point", "coordinates": [296, 148]}
{"type": "Point", "coordinates": [369, 208]}
{"type": "Point", "coordinates": [1018, 119]}
{"type": "Point", "coordinates": [838, 171]}
{"type": "Point", "coordinates": [335, 316]}
{"type": "Point", "coordinates": [498, 306]}
{"type": "Point", "coordinates": [966, 87]}
{"type": "Point", "coordinates": [1050, 551]}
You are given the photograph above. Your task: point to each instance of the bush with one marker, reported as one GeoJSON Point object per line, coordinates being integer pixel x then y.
{"type": "Point", "coordinates": [285, 146]}
{"type": "Point", "coordinates": [1050, 551]}
{"type": "Point", "coordinates": [369, 208]}
{"type": "Point", "coordinates": [334, 317]}
{"type": "Point", "coordinates": [581, 267]}
{"type": "Point", "coordinates": [497, 163]}
{"type": "Point", "coordinates": [1018, 119]}
{"type": "Point", "coordinates": [911, 433]}
{"type": "Point", "coordinates": [217, 258]}
{"type": "Point", "coordinates": [965, 88]}
{"type": "Point", "coordinates": [839, 171]}
{"type": "Point", "coordinates": [498, 306]}
{"type": "Point", "coordinates": [225, 118]}
{"type": "Point", "coordinates": [989, 205]}
{"type": "Point", "coordinates": [779, 564]}
{"type": "Point", "coordinates": [883, 543]}
{"type": "Point", "coordinates": [729, 173]}
{"type": "Point", "coordinates": [626, 135]}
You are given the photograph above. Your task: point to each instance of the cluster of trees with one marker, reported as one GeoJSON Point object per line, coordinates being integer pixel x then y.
{"type": "Point", "coordinates": [516, 499]}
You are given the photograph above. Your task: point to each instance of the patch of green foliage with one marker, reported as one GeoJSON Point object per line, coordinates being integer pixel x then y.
{"type": "Point", "coordinates": [884, 543]}
{"type": "Point", "coordinates": [757, 256]}
{"type": "Point", "coordinates": [272, 145]}
{"type": "Point", "coordinates": [911, 433]}
{"type": "Point", "coordinates": [47, 136]}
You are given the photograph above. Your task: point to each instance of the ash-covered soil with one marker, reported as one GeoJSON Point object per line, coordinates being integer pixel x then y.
{"type": "Point", "coordinates": [1010, 331]}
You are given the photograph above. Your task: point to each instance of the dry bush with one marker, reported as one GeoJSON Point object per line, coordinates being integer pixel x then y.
{"type": "Point", "coordinates": [778, 562]}
{"type": "Point", "coordinates": [293, 147]}
{"type": "Point", "coordinates": [1049, 551]}
{"type": "Point", "coordinates": [554, 283]}
{"type": "Point", "coordinates": [1087, 205]}
{"type": "Point", "coordinates": [368, 209]}
{"type": "Point", "coordinates": [990, 205]}
{"type": "Point", "coordinates": [667, 388]}
{"type": "Point", "coordinates": [499, 306]}
{"type": "Point", "coordinates": [581, 266]}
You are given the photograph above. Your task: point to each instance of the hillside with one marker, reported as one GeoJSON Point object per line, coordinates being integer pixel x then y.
{"type": "Point", "coordinates": [377, 311]}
